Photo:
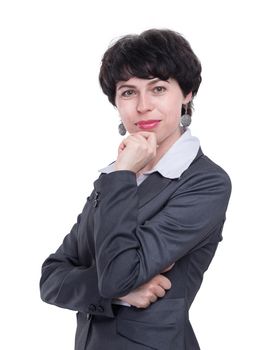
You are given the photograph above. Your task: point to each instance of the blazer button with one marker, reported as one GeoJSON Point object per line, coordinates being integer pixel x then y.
{"type": "Point", "coordinates": [96, 199]}
{"type": "Point", "coordinates": [92, 308]}
{"type": "Point", "coordinates": [89, 317]}
{"type": "Point", "coordinates": [100, 308]}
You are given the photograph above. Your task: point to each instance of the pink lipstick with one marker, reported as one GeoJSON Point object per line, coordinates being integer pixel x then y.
{"type": "Point", "coordinates": [148, 124]}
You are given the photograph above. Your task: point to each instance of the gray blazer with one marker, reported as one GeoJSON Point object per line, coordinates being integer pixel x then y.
{"type": "Point", "coordinates": [126, 235]}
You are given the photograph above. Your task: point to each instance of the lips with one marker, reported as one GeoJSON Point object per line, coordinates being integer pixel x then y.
{"type": "Point", "coordinates": [148, 124]}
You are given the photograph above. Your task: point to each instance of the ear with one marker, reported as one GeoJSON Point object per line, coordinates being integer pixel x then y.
{"type": "Point", "coordinates": [188, 98]}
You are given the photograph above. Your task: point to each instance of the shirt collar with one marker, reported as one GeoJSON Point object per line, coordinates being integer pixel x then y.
{"type": "Point", "coordinates": [176, 160]}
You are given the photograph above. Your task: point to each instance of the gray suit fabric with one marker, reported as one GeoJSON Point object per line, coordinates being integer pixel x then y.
{"type": "Point", "coordinates": [126, 235]}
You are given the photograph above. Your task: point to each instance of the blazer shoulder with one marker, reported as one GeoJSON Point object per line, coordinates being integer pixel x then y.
{"type": "Point", "coordinates": [204, 168]}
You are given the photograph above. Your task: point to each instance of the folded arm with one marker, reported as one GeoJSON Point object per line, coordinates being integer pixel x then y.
{"type": "Point", "coordinates": [132, 253]}
{"type": "Point", "coordinates": [67, 283]}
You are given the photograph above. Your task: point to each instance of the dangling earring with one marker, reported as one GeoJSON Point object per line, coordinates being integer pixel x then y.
{"type": "Point", "coordinates": [185, 119]}
{"type": "Point", "coordinates": [121, 129]}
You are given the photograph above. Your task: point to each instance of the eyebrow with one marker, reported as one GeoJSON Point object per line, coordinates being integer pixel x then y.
{"type": "Point", "coordinates": [133, 86]}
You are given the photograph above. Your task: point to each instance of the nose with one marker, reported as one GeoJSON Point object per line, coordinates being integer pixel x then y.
{"type": "Point", "coordinates": [144, 103]}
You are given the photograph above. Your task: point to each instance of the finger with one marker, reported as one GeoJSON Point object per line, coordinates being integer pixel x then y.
{"type": "Point", "coordinates": [164, 282]}
{"type": "Point", "coordinates": [121, 147]}
{"type": "Point", "coordinates": [150, 137]}
{"type": "Point", "coordinates": [138, 137]}
{"type": "Point", "coordinates": [127, 142]}
{"type": "Point", "coordinates": [141, 141]}
{"type": "Point", "coordinates": [149, 140]}
{"type": "Point", "coordinates": [144, 305]}
{"type": "Point", "coordinates": [135, 138]}
{"type": "Point", "coordinates": [153, 298]}
{"type": "Point", "coordinates": [159, 291]}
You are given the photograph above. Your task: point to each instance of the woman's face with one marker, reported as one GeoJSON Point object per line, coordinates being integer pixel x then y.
{"type": "Point", "coordinates": [151, 105]}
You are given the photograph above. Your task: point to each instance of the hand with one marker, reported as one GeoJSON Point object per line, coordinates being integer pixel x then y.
{"type": "Point", "coordinates": [149, 292]}
{"type": "Point", "coordinates": [136, 151]}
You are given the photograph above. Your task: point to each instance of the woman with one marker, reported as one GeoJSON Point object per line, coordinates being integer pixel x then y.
{"type": "Point", "coordinates": [134, 261]}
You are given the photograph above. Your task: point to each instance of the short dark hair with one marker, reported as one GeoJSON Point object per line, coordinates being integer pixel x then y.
{"type": "Point", "coordinates": [160, 53]}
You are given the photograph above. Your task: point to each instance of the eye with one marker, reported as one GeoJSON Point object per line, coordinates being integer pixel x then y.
{"type": "Point", "coordinates": [128, 93]}
{"type": "Point", "coordinates": [159, 89]}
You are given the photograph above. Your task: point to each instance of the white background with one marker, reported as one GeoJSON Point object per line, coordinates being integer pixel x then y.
{"type": "Point", "coordinates": [57, 129]}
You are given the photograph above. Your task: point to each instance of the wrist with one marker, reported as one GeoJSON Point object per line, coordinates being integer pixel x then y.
{"type": "Point", "coordinates": [119, 167]}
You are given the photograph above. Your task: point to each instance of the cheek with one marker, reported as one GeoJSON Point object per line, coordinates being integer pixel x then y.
{"type": "Point", "coordinates": [126, 113]}
{"type": "Point", "coordinates": [173, 114]}
{"type": "Point", "coordinates": [125, 117]}
{"type": "Point", "coordinates": [171, 106]}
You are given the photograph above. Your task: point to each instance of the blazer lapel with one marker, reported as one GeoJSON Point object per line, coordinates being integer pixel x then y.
{"type": "Point", "coordinates": [155, 183]}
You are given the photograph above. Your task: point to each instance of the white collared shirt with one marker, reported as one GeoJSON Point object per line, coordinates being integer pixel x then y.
{"type": "Point", "coordinates": [174, 162]}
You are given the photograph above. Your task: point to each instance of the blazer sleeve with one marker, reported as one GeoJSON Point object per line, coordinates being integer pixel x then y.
{"type": "Point", "coordinates": [66, 283]}
{"type": "Point", "coordinates": [133, 253]}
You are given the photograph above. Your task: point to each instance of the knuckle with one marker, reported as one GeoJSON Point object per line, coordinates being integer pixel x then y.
{"type": "Point", "coordinates": [151, 287]}
{"type": "Point", "coordinates": [160, 278]}
{"type": "Point", "coordinates": [149, 294]}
